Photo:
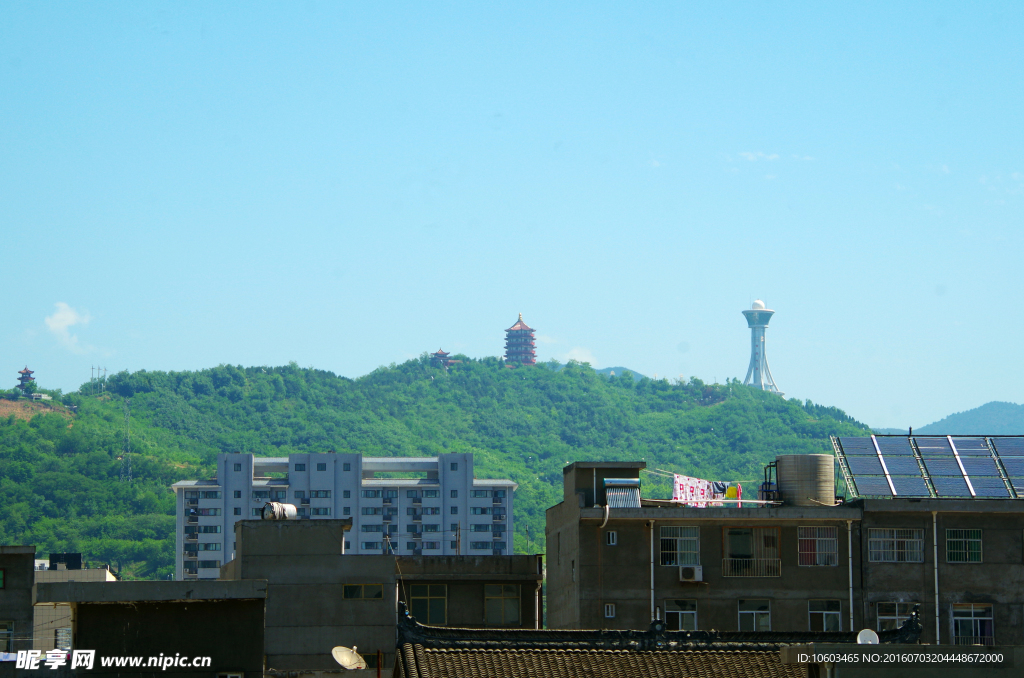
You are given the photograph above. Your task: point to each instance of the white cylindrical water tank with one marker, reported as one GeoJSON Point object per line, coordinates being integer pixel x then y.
{"type": "Point", "coordinates": [806, 479]}
{"type": "Point", "coordinates": [273, 510]}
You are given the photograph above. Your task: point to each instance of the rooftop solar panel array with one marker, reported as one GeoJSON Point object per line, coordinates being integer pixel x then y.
{"type": "Point", "coordinates": [961, 467]}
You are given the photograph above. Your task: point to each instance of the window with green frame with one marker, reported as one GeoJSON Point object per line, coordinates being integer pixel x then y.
{"type": "Point", "coordinates": [364, 591]}
{"type": "Point", "coordinates": [429, 603]}
{"type": "Point", "coordinates": [501, 604]}
{"type": "Point", "coordinates": [963, 546]}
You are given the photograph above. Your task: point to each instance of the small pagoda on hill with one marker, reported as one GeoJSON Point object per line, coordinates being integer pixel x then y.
{"type": "Point", "coordinates": [25, 379]}
{"type": "Point", "coordinates": [441, 359]}
{"type": "Point", "coordinates": [519, 344]}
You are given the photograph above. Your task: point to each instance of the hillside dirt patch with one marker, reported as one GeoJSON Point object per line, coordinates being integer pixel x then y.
{"type": "Point", "coordinates": [26, 409]}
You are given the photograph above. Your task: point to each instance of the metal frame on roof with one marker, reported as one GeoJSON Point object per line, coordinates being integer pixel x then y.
{"type": "Point", "coordinates": [928, 452]}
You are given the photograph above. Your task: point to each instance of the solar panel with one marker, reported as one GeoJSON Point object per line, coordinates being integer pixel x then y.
{"type": "Point", "coordinates": [972, 447]}
{"type": "Point", "coordinates": [943, 467]}
{"type": "Point", "coordinates": [933, 446]}
{"type": "Point", "coordinates": [1013, 447]}
{"type": "Point", "coordinates": [857, 446]}
{"type": "Point", "coordinates": [979, 466]}
{"type": "Point", "coordinates": [1014, 466]}
{"type": "Point", "coordinates": [865, 466]}
{"type": "Point", "coordinates": [873, 486]}
{"type": "Point", "coordinates": [900, 446]}
{"type": "Point", "coordinates": [989, 487]}
{"type": "Point", "coordinates": [948, 486]}
{"type": "Point", "coordinates": [910, 486]}
{"type": "Point", "coordinates": [902, 466]}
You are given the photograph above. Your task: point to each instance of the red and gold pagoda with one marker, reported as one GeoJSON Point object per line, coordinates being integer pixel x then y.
{"type": "Point", "coordinates": [519, 346]}
{"type": "Point", "coordinates": [441, 359]}
{"type": "Point", "coordinates": [25, 378]}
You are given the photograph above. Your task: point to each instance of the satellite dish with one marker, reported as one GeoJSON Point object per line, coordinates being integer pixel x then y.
{"type": "Point", "coordinates": [867, 637]}
{"type": "Point", "coordinates": [349, 659]}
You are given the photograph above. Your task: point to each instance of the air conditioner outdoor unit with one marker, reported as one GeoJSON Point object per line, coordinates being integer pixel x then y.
{"type": "Point", "coordinates": [691, 573]}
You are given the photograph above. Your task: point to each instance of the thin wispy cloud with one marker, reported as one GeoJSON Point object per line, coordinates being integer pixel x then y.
{"type": "Point", "coordinates": [754, 157]}
{"type": "Point", "coordinates": [579, 354]}
{"type": "Point", "coordinates": [61, 322]}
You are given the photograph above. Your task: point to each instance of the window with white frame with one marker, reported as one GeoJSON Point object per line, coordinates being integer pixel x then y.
{"type": "Point", "coordinates": [755, 615]}
{"type": "Point", "coordinates": [611, 537]}
{"type": "Point", "coordinates": [972, 624]}
{"type": "Point", "coordinates": [891, 615]}
{"type": "Point", "coordinates": [963, 546]}
{"type": "Point", "coordinates": [824, 615]}
{"type": "Point", "coordinates": [895, 545]}
{"type": "Point", "coordinates": [609, 610]}
{"type": "Point", "coordinates": [680, 545]}
{"type": "Point", "coordinates": [681, 615]}
{"type": "Point", "coordinates": [818, 546]}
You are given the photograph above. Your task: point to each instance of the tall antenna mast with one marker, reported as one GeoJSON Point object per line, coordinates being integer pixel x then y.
{"type": "Point", "coordinates": [126, 453]}
{"type": "Point", "coordinates": [759, 375]}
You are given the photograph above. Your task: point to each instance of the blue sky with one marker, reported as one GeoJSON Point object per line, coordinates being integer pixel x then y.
{"type": "Point", "coordinates": [348, 185]}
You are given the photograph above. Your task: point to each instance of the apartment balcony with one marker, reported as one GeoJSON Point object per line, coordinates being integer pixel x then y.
{"type": "Point", "coordinates": [499, 518]}
{"type": "Point", "coordinates": [418, 518]}
{"type": "Point", "coordinates": [305, 502]}
{"type": "Point", "coordinates": [388, 501]}
{"type": "Point", "coordinates": [387, 519]}
{"type": "Point", "coordinates": [191, 502]}
{"type": "Point", "coordinates": [191, 555]}
{"type": "Point", "coordinates": [191, 536]}
{"type": "Point", "coordinates": [191, 574]}
{"type": "Point", "coordinates": [751, 567]}
{"type": "Point", "coordinates": [417, 501]}
{"type": "Point", "coordinates": [192, 520]}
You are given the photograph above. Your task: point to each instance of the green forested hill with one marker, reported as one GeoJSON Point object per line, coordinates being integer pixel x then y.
{"type": "Point", "coordinates": [59, 479]}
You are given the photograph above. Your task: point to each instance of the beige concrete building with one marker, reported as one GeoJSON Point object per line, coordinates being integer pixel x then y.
{"type": "Point", "coordinates": [52, 622]}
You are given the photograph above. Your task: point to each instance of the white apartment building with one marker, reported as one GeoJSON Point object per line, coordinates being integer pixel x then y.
{"type": "Point", "coordinates": [404, 505]}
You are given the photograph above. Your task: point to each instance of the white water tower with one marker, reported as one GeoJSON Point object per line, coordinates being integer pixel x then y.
{"type": "Point", "coordinates": [759, 375]}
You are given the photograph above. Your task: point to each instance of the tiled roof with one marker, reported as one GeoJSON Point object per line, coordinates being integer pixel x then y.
{"type": "Point", "coordinates": [520, 325]}
{"type": "Point", "coordinates": [416, 662]}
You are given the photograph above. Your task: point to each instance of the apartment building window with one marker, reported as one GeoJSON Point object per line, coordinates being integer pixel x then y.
{"type": "Point", "coordinates": [892, 615]}
{"type": "Point", "coordinates": [431, 545]}
{"type": "Point", "coordinates": [500, 494]}
{"type": "Point", "coordinates": [320, 494]}
{"type": "Point", "coordinates": [429, 603]}
{"type": "Point", "coordinates": [261, 494]}
{"type": "Point", "coordinates": [238, 494]}
{"type": "Point", "coordinates": [372, 511]}
{"type": "Point", "coordinates": [321, 511]}
{"type": "Point", "coordinates": [279, 494]}
{"type": "Point", "coordinates": [455, 545]}
{"type": "Point", "coordinates": [346, 511]}
{"type": "Point", "coordinates": [431, 510]}
{"type": "Point", "coordinates": [6, 636]}
{"type": "Point", "coordinates": [455, 510]}
{"type": "Point", "coordinates": [370, 545]}
{"type": "Point", "coordinates": [454, 526]}
{"type": "Point", "coordinates": [321, 467]}
{"type": "Point", "coordinates": [818, 546]}
{"type": "Point", "coordinates": [412, 494]}
{"type": "Point", "coordinates": [480, 510]}
{"type": "Point", "coordinates": [824, 615]}
{"type": "Point", "coordinates": [501, 604]}
{"type": "Point", "coordinates": [300, 467]}
{"type": "Point", "coordinates": [432, 528]}
{"type": "Point", "coordinates": [895, 545]}
{"type": "Point", "coordinates": [207, 512]}
{"type": "Point", "coordinates": [300, 494]}
{"type": "Point", "coordinates": [372, 528]}
{"type": "Point", "coordinates": [480, 494]}
{"type": "Point", "coordinates": [238, 467]}
{"type": "Point", "coordinates": [680, 546]}
{"type": "Point", "coordinates": [370, 494]}
{"type": "Point", "coordinates": [454, 466]}
{"type": "Point", "coordinates": [455, 494]}
{"type": "Point", "coordinates": [364, 591]}
{"type": "Point", "coordinates": [238, 510]}
{"type": "Point", "coordinates": [208, 546]}
{"type": "Point", "coordinates": [257, 512]}
{"type": "Point", "coordinates": [346, 466]}
{"type": "Point", "coordinates": [963, 546]}
{"type": "Point", "coordinates": [609, 610]}
{"type": "Point", "coordinates": [348, 545]}
{"type": "Point", "coordinates": [751, 552]}
{"type": "Point", "coordinates": [755, 615]}
{"type": "Point", "coordinates": [499, 545]}
{"type": "Point", "coordinates": [346, 494]}
{"type": "Point", "coordinates": [681, 615]}
{"type": "Point", "coordinates": [391, 494]}
{"type": "Point", "coordinates": [302, 511]}
{"type": "Point", "coordinates": [431, 494]}
{"type": "Point", "coordinates": [208, 564]}
{"type": "Point", "coordinates": [479, 545]}
{"type": "Point", "coordinates": [972, 624]}
{"type": "Point", "coordinates": [195, 494]}
{"type": "Point", "coordinates": [611, 538]}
